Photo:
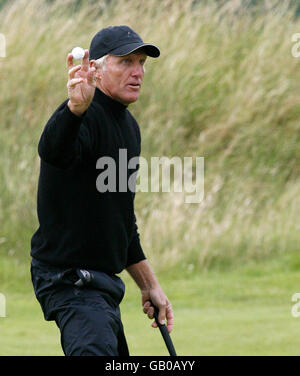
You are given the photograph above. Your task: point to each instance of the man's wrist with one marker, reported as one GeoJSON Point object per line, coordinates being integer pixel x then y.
{"type": "Point", "coordinates": [143, 275]}
{"type": "Point", "coordinates": [77, 110]}
{"type": "Point", "coordinates": [148, 285]}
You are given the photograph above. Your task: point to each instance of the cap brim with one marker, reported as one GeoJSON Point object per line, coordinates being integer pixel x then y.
{"type": "Point", "coordinates": [150, 49]}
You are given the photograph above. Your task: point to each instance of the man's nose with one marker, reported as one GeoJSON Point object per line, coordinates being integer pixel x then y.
{"type": "Point", "coordinates": [138, 71]}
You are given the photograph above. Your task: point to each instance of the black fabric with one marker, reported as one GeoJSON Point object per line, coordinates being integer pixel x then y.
{"type": "Point", "coordinates": [88, 317]}
{"type": "Point", "coordinates": [120, 41]}
{"type": "Point", "coordinates": [78, 225]}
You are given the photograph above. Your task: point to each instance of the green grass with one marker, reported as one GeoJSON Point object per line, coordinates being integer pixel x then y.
{"type": "Point", "coordinates": [224, 88]}
{"type": "Point", "coordinates": [241, 312]}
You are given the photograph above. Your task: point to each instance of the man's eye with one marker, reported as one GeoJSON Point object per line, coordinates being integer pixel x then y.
{"type": "Point", "coordinates": [126, 61]}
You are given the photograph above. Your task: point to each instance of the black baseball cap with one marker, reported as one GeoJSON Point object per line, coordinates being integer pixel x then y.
{"type": "Point", "coordinates": [119, 41]}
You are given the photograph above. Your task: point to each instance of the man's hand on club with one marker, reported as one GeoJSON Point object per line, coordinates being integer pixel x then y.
{"type": "Point", "coordinates": [159, 299]}
{"type": "Point", "coordinates": [81, 84]}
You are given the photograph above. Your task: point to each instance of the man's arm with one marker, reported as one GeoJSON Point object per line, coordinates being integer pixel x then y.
{"type": "Point", "coordinates": [151, 291]}
{"type": "Point", "coordinates": [59, 141]}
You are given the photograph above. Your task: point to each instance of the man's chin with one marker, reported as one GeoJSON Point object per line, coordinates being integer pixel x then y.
{"type": "Point", "coordinates": [129, 99]}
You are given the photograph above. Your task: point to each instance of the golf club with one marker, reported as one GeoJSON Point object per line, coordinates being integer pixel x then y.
{"type": "Point", "coordinates": [164, 332]}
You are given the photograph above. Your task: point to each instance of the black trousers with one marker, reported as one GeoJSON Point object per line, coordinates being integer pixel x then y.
{"type": "Point", "coordinates": [88, 317]}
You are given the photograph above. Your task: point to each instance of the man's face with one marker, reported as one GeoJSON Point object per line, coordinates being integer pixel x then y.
{"type": "Point", "coordinates": [121, 77]}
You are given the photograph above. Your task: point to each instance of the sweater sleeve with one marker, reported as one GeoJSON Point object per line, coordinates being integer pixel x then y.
{"type": "Point", "coordinates": [135, 251]}
{"type": "Point", "coordinates": [60, 144]}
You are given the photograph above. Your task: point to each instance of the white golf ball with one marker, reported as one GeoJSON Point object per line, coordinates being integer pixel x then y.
{"type": "Point", "coordinates": [78, 53]}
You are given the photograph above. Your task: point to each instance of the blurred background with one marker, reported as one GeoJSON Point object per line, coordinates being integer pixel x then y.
{"type": "Point", "coordinates": [226, 88]}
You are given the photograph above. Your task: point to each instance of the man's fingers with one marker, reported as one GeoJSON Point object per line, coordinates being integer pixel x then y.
{"type": "Point", "coordinates": [170, 323]}
{"type": "Point", "coordinates": [85, 61]}
{"type": "Point", "coordinates": [169, 317]}
{"type": "Point", "coordinates": [162, 315]}
{"type": "Point", "coordinates": [146, 307]}
{"type": "Point", "coordinates": [75, 81]}
{"type": "Point", "coordinates": [90, 76]}
{"type": "Point", "coordinates": [170, 327]}
{"type": "Point", "coordinates": [150, 312]}
{"type": "Point", "coordinates": [165, 314]}
{"type": "Point", "coordinates": [73, 70]}
{"type": "Point", "coordinates": [70, 61]}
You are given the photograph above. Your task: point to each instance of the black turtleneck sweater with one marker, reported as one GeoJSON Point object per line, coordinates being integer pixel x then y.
{"type": "Point", "coordinates": [79, 226]}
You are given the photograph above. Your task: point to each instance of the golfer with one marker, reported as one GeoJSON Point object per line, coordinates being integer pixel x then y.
{"type": "Point", "coordinates": [86, 234]}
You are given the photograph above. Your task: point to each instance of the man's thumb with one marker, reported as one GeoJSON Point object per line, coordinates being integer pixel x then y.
{"type": "Point", "coordinates": [162, 316]}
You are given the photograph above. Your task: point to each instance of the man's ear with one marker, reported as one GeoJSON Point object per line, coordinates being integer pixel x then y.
{"type": "Point", "coordinates": [92, 63]}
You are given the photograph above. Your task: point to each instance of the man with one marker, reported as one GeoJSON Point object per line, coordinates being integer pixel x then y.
{"type": "Point", "coordinates": [86, 236]}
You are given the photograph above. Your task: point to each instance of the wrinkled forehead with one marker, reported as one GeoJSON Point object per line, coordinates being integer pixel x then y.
{"type": "Point", "coordinates": [133, 55]}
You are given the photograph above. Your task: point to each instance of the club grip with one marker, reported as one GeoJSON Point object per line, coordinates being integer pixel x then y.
{"type": "Point", "coordinates": [164, 332]}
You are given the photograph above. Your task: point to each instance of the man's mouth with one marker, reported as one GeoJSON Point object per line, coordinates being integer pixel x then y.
{"type": "Point", "coordinates": [135, 86]}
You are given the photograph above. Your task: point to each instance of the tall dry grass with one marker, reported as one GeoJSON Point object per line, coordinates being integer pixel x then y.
{"type": "Point", "coordinates": [226, 87]}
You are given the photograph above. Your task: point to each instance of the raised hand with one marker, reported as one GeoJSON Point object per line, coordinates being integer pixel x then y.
{"type": "Point", "coordinates": [81, 84]}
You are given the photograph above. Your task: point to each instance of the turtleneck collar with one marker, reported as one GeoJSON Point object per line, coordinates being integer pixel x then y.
{"type": "Point", "coordinates": [100, 97]}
